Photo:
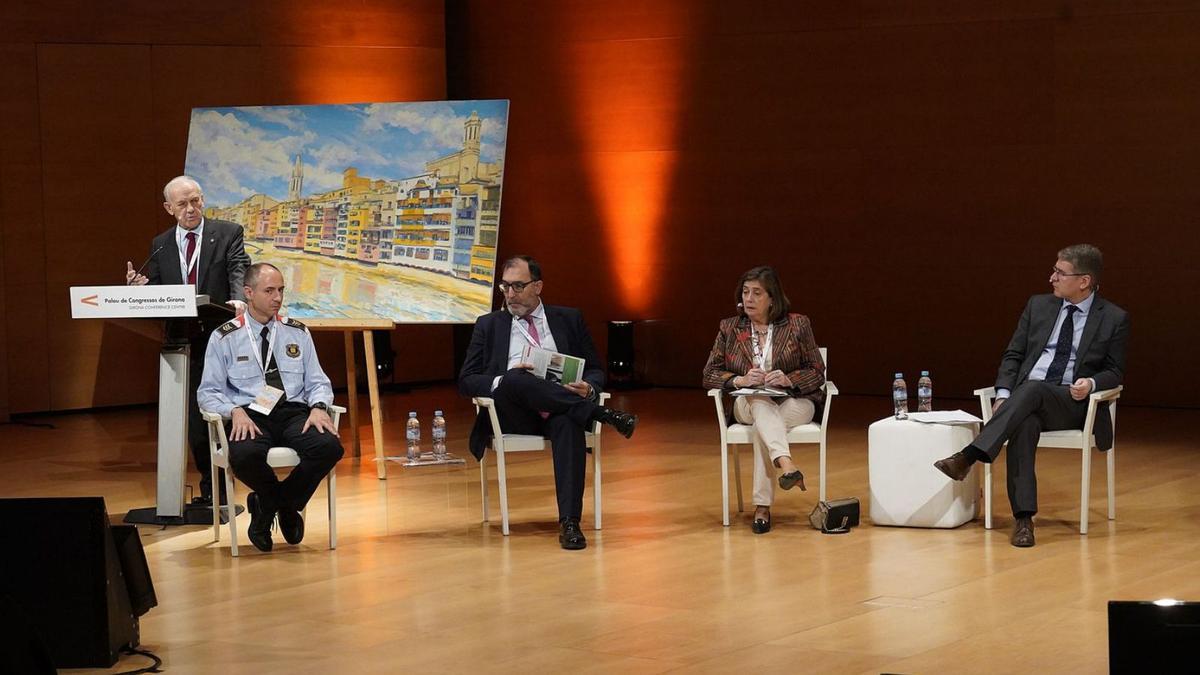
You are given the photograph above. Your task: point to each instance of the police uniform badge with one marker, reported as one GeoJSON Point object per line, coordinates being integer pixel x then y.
{"type": "Point", "coordinates": [293, 350]}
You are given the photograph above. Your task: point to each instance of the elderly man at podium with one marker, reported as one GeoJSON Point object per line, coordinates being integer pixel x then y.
{"type": "Point", "coordinates": [210, 255]}
{"type": "Point", "coordinates": [262, 372]}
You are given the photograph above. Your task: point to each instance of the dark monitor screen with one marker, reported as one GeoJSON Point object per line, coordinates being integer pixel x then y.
{"type": "Point", "coordinates": [1161, 636]}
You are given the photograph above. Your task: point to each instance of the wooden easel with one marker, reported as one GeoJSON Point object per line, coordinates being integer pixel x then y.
{"type": "Point", "coordinates": [348, 327]}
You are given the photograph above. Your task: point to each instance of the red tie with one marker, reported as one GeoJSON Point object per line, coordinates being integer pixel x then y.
{"type": "Point", "coordinates": [191, 251]}
{"type": "Point", "coordinates": [533, 331]}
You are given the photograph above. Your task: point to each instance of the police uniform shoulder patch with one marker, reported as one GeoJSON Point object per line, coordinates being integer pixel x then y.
{"type": "Point", "coordinates": [294, 323]}
{"type": "Point", "coordinates": [228, 327]}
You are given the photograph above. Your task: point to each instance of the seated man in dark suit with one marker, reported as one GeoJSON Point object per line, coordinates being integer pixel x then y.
{"type": "Point", "coordinates": [527, 404]}
{"type": "Point", "coordinates": [1067, 345]}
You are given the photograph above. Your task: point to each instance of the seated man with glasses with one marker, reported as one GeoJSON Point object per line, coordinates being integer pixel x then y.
{"type": "Point", "coordinates": [527, 404]}
{"type": "Point", "coordinates": [1067, 345]}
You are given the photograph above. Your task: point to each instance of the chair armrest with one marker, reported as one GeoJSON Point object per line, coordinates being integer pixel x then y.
{"type": "Point", "coordinates": [1107, 394]}
{"type": "Point", "coordinates": [986, 396]}
{"type": "Point", "coordinates": [604, 396]}
{"type": "Point", "coordinates": [830, 388]}
{"type": "Point", "coordinates": [210, 416]}
{"type": "Point", "coordinates": [722, 423]}
{"type": "Point", "coordinates": [489, 404]}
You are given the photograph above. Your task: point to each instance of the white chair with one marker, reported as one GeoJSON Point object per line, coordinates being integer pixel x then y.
{"type": "Point", "coordinates": [503, 443]}
{"type": "Point", "coordinates": [742, 434]}
{"type": "Point", "coordinates": [1082, 439]}
{"type": "Point", "coordinates": [277, 458]}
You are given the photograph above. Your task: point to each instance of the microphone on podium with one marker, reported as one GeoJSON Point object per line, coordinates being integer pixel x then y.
{"type": "Point", "coordinates": [139, 270]}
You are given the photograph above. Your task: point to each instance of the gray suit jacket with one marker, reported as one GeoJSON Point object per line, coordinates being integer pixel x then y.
{"type": "Point", "coordinates": [1100, 356]}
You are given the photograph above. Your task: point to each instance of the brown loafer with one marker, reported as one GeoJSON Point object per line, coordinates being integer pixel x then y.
{"type": "Point", "coordinates": [1022, 535]}
{"type": "Point", "coordinates": [956, 466]}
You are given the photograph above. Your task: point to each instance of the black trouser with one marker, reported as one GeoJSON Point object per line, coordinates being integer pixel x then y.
{"type": "Point", "coordinates": [1032, 408]}
{"type": "Point", "coordinates": [197, 427]}
{"type": "Point", "coordinates": [319, 452]}
{"type": "Point", "coordinates": [520, 398]}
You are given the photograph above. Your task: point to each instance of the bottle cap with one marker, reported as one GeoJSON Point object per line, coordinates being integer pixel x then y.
{"type": "Point", "coordinates": [924, 373]}
{"type": "Point", "coordinates": [437, 413]}
{"type": "Point", "coordinates": [412, 413]}
{"type": "Point", "coordinates": [899, 376]}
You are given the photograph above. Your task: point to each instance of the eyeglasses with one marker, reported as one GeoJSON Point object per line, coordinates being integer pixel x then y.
{"type": "Point", "coordinates": [516, 286]}
{"type": "Point", "coordinates": [1059, 273]}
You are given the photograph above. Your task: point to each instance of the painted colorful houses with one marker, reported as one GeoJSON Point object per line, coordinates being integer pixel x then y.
{"type": "Point", "coordinates": [444, 220]}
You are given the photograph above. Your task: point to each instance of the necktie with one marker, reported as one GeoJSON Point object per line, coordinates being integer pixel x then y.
{"type": "Point", "coordinates": [537, 340]}
{"type": "Point", "coordinates": [191, 251]}
{"type": "Point", "coordinates": [270, 367]}
{"type": "Point", "coordinates": [533, 331]}
{"type": "Point", "coordinates": [1062, 351]}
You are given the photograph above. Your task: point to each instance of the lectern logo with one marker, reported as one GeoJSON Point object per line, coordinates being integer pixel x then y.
{"type": "Point", "coordinates": [90, 300]}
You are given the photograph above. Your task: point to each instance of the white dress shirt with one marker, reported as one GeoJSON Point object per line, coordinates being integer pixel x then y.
{"type": "Point", "coordinates": [181, 242]}
{"type": "Point", "coordinates": [517, 339]}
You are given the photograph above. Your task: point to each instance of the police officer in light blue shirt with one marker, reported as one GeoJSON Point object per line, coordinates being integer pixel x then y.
{"type": "Point", "coordinates": [262, 372]}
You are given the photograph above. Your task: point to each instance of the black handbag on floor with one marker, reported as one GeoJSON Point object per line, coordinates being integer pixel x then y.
{"type": "Point", "coordinates": [836, 516]}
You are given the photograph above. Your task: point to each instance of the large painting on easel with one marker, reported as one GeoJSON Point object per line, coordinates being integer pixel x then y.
{"type": "Point", "coordinates": [372, 211]}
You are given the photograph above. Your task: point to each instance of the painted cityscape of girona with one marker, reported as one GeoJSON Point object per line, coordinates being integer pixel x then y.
{"type": "Point", "coordinates": [379, 210]}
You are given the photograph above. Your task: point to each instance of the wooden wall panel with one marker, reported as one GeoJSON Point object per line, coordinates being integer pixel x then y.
{"type": "Point", "coordinates": [24, 355]}
{"type": "Point", "coordinates": [96, 112]}
{"type": "Point", "coordinates": [910, 168]}
{"type": "Point", "coordinates": [97, 149]}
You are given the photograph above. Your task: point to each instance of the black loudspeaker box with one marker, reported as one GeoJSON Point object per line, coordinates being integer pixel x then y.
{"type": "Point", "coordinates": [61, 567]}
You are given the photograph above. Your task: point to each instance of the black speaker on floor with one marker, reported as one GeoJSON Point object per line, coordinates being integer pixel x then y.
{"type": "Point", "coordinates": [62, 566]}
{"type": "Point", "coordinates": [1153, 636]}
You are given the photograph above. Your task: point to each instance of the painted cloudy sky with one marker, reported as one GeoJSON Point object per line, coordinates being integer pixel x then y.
{"type": "Point", "coordinates": [238, 152]}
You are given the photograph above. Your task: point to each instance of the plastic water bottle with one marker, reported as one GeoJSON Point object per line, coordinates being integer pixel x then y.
{"type": "Point", "coordinates": [924, 392]}
{"type": "Point", "coordinates": [439, 435]}
{"type": "Point", "coordinates": [900, 396]}
{"type": "Point", "coordinates": [413, 434]}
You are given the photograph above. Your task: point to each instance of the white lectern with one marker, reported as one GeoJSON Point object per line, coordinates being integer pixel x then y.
{"type": "Point", "coordinates": [160, 302]}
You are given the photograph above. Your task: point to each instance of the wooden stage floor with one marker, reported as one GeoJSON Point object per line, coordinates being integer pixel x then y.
{"type": "Point", "coordinates": [418, 584]}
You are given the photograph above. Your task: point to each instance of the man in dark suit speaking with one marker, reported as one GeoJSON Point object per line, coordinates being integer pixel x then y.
{"type": "Point", "coordinates": [527, 404]}
{"type": "Point", "coordinates": [1067, 345]}
{"type": "Point", "coordinates": [211, 255]}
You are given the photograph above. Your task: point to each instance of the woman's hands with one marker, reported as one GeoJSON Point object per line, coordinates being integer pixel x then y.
{"type": "Point", "coordinates": [777, 378]}
{"type": "Point", "coordinates": [757, 377]}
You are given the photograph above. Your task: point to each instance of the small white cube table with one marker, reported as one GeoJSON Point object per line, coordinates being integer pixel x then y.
{"type": "Point", "coordinates": [906, 489]}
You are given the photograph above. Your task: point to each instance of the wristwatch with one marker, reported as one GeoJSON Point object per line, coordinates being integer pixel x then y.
{"type": "Point", "coordinates": [320, 406]}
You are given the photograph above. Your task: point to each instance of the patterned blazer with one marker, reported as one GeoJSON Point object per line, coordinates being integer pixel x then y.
{"type": "Point", "coordinates": [793, 350]}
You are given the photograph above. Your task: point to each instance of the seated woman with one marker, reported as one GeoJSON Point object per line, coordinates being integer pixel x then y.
{"type": "Point", "coordinates": [765, 346]}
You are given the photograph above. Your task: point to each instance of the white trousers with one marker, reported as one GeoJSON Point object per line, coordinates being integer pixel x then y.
{"type": "Point", "coordinates": [771, 421]}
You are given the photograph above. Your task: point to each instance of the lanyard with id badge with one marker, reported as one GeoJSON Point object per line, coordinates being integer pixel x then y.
{"type": "Point", "coordinates": [268, 398]}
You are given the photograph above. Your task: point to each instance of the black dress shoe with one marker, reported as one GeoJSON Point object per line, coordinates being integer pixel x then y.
{"type": "Point", "coordinates": [956, 466]}
{"type": "Point", "coordinates": [291, 524]}
{"type": "Point", "coordinates": [570, 536]}
{"type": "Point", "coordinates": [790, 480]}
{"type": "Point", "coordinates": [622, 421]}
{"type": "Point", "coordinates": [761, 525]}
{"type": "Point", "coordinates": [1022, 535]}
{"type": "Point", "coordinates": [261, 518]}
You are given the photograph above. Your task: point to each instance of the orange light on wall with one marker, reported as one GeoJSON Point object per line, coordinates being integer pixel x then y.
{"type": "Point", "coordinates": [627, 98]}
{"type": "Point", "coordinates": [631, 191]}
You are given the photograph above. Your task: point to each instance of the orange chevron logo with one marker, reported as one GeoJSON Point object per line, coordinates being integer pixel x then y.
{"type": "Point", "coordinates": [90, 300]}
